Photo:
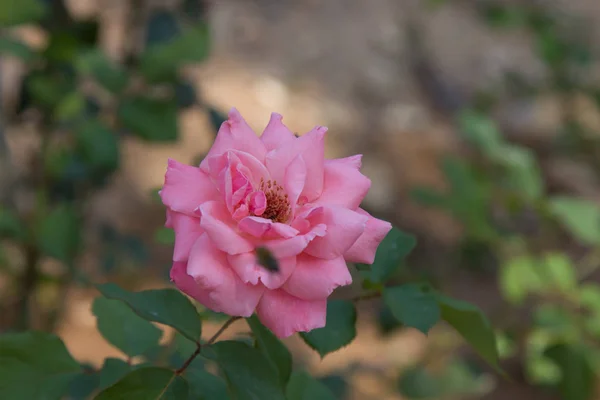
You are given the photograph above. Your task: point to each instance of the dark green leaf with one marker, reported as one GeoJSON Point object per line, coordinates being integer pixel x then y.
{"type": "Point", "coordinates": [166, 306]}
{"type": "Point", "coordinates": [162, 27]}
{"type": "Point", "coordinates": [472, 324]}
{"type": "Point", "coordinates": [185, 94]}
{"type": "Point", "coordinates": [249, 374]}
{"type": "Point", "coordinates": [162, 60]}
{"type": "Point", "coordinates": [413, 306]}
{"type": "Point", "coordinates": [123, 328]}
{"type": "Point", "coordinates": [59, 233]}
{"type": "Point", "coordinates": [206, 386]}
{"type": "Point", "coordinates": [302, 386]}
{"type": "Point", "coordinates": [151, 120]}
{"type": "Point", "coordinates": [83, 385]}
{"type": "Point", "coordinates": [10, 226]}
{"type": "Point", "coordinates": [216, 118]}
{"type": "Point", "coordinates": [578, 376]}
{"type": "Point", "coordinates": [16, 48]}
{"type": "Point", "coordinates": [580, 216]}
{"type": "Point", "coordinates": [15, 12]}
{"type": "Point", "coordinates": [98, 146]}
{"type": "Point", "coordinates": [390, 254]}
{"type": "Point", "coordinates": [277, 353]}
{"type": "Point", "coordinates": [339, 330]}
{"type": "Point", "coordinates": [105, 72]}
{"type": "Point", "coordinates": [417, 383]}
{"type": "Point", "coordinates": [35, 366]}
{"type": "Point", "coordinates": [70, 108]}
{"type": "Point", "coordinates": [112, 371]}
{"type": "Point", "coordinates": [336, 385]}
{"type": "Point", "coordinates": [148, 383]}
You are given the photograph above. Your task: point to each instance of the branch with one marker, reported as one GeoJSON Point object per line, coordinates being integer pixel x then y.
{"type": "Point", "coordinates": [191, 358]}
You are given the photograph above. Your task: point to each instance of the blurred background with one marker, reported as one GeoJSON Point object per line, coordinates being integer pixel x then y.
{"type": "Point", "coordinates": [480, 128]}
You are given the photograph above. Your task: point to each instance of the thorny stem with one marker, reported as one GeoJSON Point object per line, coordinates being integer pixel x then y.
{"type": "Point", "coordinates": [210, 341]}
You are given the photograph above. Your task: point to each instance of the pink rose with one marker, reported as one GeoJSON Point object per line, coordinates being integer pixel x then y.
{"type": "Point", "coordinates": [277, 192]}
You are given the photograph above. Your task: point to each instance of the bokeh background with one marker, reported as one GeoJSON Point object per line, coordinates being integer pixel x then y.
{"type": "Point", "coordinates": [480, 128]}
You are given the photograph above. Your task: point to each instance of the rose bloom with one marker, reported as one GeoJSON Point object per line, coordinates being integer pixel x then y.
{"type": "Point", "coordinates": [276, 192]}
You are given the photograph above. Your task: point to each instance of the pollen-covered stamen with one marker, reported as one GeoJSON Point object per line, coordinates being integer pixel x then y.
{"type": "Point", "coordinates": [278, 204]}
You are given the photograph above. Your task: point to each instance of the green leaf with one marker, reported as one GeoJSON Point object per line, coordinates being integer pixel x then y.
{"type": "Point", "coordinates": [35, 365]}
{"type": "Point", "coordinates": [481, 131]}
{"type": "Point", "coordinates": [112, 371]}
{"type": "Point", "coordinates": [473, 326]}
{"type": "Point", "coordinates": [165, 236]}
{"type": "Point", "coordinates": [418, 383]}
{"type": "Point", "coordinates": [59, 233]}
{"type": "Point", "coordinates": [523, 172]}
{"type": "Point", "coordinates": [10, 226]}
{"type": "Point", "coordinates": [249, 374]}
{"type": "Point", "coordinates": [339, 330]}
{"type": "Point", "coordinates": [390, 253]}
{"type": "Point", "coordinates": [578, 376]}
{"type": "Point", "coordinates": [206, 386]}
{"type": "Point", "coordinates": [413, 306]}
{"type": "Point", "coordinates": [16, 12]}
{"type": "Point", "coordinates": [16, 48]}
{"type": "Point", "coordinates": [150, 119]}
{"type": "Point", "coordinates": [428, 197]}
{"type": "Point", "coordinates": [83, 386]}
{"type": "Point", "coordinates": [519, 278]}
{"type": "Point", "coordinates": [98, 146]}
{"type": "Point", "coordinates": [95, 63]}
{"type": "Point", "coordinates": [70, 108]}
{"type": "Point", "coordinates": [162, 60]}
{"type": "Point", "coordinates": [148, 383]}
{"type": "Point", "coordinates": [581, 217]}
{"type": "Point", "coordinates": [123, 328]}
{"type": "Point", "coordinates": [275, 351]}
{"type": "Point", "coordinates": [165, 306]}
{"type": "Point", "coordinates": [302, 386]}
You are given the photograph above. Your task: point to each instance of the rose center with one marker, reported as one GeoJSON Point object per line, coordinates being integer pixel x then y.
{"type": "Point", "coordinates": [278, 204]}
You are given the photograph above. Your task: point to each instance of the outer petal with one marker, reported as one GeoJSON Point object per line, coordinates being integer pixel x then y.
{"type": "Point", "coordinates": [311, 147]}
{"type": "Point", "coordinates": [226, 292]}
{"type": "Point", "coordinates": [365, 247]}
{"type": "Point", "coordinates": [276, 134]}
{"type": "Point", "coordinates": [285, 315]}
{"type": "Point", "coordinates": [187, 230]}
{"type": "Point", "coordinates": [186, 187]}
{"type": "Point", "coordinates": [235, 134]}
{"type": "Point", "coordinates": [343, 229]}
{"type": "Point", "coordinates": [354, 161]}
{"type": "Point", "coordinates": [343, 185]}
{"type": "Point", "coordinates": [247, 268]}
{"type": "Point", "coordinates": [315, 278]}
{"type": "Point", "coordinates": [217, 223]}
{"type": "Point", "coordinates": [188, 285]}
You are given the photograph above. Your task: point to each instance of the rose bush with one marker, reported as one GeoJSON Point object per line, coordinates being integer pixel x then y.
{"type": "Point", "coordinates": [278, 192]}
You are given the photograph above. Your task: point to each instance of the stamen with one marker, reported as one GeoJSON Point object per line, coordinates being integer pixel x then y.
{"type": "Point", "coordinates": [278, 205]}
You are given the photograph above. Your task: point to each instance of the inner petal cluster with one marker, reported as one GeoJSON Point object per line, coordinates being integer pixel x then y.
{"type": "Point", "coordinates": [278, 207]}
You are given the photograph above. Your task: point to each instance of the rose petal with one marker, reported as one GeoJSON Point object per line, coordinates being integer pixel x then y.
{"type": "Point", "coordinates": [283, 248]}
{"type": "Point", "coordinates": [247, 268]}
{"type": "Point", "coordinates": [295, 179]}
{"type": "Point", "coordinates": [285, 315]}
{"type": "Point", "coordinates": [188, 285]}
{"type": "Point", "coordinates": [217, 223]}
{"type": "Point", "coordinates": [226, 292]}
{"type": "Point", "coordinates": [354, 161]}
{"type": "Point", "coordinates": [316, 278]}
{"type": "Point", "coordinates": [186, 187]}
{"type": "Point", "coordinates": [265, 228]}
{"type": "Point", "coordinates": [343, 229]}
{"type": "Point", "coordinates": [235, 134]}
{"type": "Point", "coordinates": [187, 230]}
{"type": "Point", "coordinates": [343, 185]}
{"type": "Point", "coordinates": [276, 134]}
{"type": "Point", "coordinates": [311, 147]}
{"type": "Point", "coordinates": [365, 247]}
